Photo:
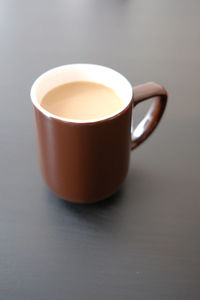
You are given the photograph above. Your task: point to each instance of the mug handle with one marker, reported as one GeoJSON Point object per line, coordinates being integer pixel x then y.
{"type": "Point", "coordinates": [148, 124]}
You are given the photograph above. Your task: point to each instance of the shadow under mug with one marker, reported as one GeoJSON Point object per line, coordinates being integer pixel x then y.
{"type": "Point", "coordinates": [85, 161]}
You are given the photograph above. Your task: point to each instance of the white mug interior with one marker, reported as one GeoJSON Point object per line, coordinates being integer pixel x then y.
{"type": "Point", "coordinates": [81, 72]}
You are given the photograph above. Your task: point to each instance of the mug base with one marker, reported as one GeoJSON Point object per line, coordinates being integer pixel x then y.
{"type": "Point", "coordinates": [89, 201]}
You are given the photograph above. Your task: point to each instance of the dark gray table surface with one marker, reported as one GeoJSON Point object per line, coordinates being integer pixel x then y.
{"type": "Point", "coordinates": [144, 242]}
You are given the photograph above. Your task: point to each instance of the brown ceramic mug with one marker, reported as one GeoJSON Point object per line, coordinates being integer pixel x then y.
{"type": "Point", "coordinates": [87, 161]}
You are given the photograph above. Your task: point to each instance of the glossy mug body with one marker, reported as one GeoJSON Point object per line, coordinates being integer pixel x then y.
{"type": "Point", "coordinates": [85, 161]}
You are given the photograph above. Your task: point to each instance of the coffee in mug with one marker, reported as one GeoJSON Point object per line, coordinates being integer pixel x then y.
{"type": "Point", "coordinates": [83, 116]}
{"type": "Point", "coordinates": [82, 100]}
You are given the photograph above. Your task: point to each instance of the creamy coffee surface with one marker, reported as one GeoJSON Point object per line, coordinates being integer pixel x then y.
{"type": "Point", "coordinates": [82, 100]}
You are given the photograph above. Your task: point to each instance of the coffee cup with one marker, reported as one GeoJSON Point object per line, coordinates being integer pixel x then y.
{"type": "Point", "coordinates": [86, 161]}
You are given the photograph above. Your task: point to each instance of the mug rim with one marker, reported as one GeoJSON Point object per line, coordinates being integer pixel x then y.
{"type": "Point", "coordinates": [37, 105]}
